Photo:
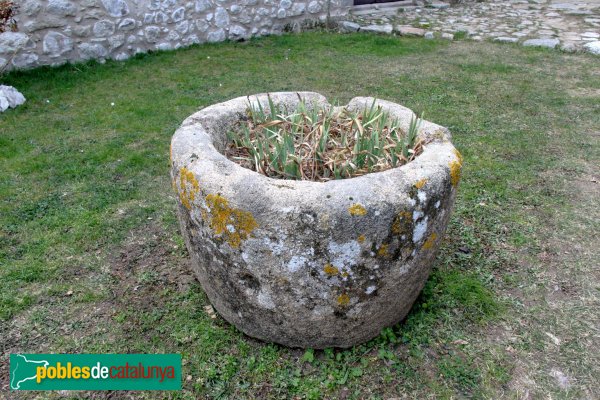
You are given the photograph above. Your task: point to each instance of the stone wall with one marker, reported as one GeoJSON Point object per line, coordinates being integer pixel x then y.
{"type": "Point", "coordinates": [52, 32]}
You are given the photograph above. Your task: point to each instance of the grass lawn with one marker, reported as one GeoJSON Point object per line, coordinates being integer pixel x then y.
{"type": "Point", "coordinates": [91, 259]}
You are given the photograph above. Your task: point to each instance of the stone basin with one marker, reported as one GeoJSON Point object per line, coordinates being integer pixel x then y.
{"type": "Point", "coordinates": [310, 264]}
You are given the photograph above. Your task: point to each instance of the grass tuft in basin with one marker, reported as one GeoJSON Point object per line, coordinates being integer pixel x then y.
{"type": "Point", "coordinates": [321, 143]}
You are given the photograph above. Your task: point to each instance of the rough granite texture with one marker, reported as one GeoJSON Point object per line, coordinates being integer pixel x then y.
{"type": "Point", "coordinates": [310, 264]}
{"type": "Point", "coordinates": [52, 32]}
{"type": "Point", "coordinates": [10, 98]}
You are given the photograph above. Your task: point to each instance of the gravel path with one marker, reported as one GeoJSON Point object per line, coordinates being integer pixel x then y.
{"type": "Point", "coordinates": [570, 25]}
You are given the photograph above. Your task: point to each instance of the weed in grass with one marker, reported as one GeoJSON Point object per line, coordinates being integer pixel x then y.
{"type": "Point", "coordinates": [320, 144]}
{"type": "Point", "coordinates": [457, 371]}
{"type": "Point", "coordinates": [460, 35]}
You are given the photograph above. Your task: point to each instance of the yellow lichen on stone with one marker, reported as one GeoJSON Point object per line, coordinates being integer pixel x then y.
{"type": "Point", "coordinates": [430, 241]}
{"type": "Point", "coordinates": [455, 168]}
{"type": "Point", "coordinates": [361, 239]}
{"type": "Point", "coordinates": [401, 223]}
{"type": "Point", "coordinates": [421, 183]}
{"type": "Point", "coordinates": [188, 187]}
{"type": "Point", "coordinates": [383, 250]}
{"type": "Point", "coordinates": [357, 209]}
{"type": "Point", "coordinates": [331, 270]}
{"type": "Point", "coordinates": [234, 224]}
{"type": "Point", "coordinates": [454, 172]}
{"type": "Point", "coordinates": [343, 300]}
{"type": "Point", "coordinates": [458, 155]}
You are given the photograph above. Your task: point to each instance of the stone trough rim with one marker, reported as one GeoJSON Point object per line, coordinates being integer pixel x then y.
{"type": "Point", "coordinates": [438, 144]}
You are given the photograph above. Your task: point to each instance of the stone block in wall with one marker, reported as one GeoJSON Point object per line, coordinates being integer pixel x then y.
{"type": "Point", "coordinates": [47, 22]}
{"type": "Point", "coordinates": [190, 40]}
{"type": "Point", "coordinates": [182, 27]}
{"type": "Point", "coordinates": [297, 9]}
{"type": "Point", "coordinates": [161, 18]}
{"type": "Point", "coordinates": [221, 18]}
{"type": "Point", "coordinates": [178, 15]}
{"type": "Point", "coordinates": [11, 42]}
{"type": "Point", "coordinates": [314, 7]}
{"type": "Point", "coordinates": [152, 34]}
{"type": "Point", "coordinates": [127, 24]}
{"type": "Point", "coordinates": [116, 8]}
{"type": "Point", "coordinates": [237, 32]}
{"type": "Point", "coordinates": [216, 36]}
{"type": "Point", "coordinates": [31, 7]}
{"type": "Point", "coordinates": [92, 51]}
{"type": "Point", "coordinates": [26, 60]}
{"type": "Point", "coordinates": [202, 6]}
{"type": "Point", "coordinates": [82, 31]}
{"type": "Point", "coordinates": [104, 28]}
{"type": "Point", "coordinates": [202, 25]}
{"type": "Point", "coordinates": [116, 41]}
{"type": "Point", "coordinates": [62, 8]}
{"type": "Point", "coordinates": [55, 44]}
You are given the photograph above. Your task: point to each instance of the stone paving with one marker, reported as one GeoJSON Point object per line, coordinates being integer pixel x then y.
{"type": "Point", "coordinates": [569, 25]}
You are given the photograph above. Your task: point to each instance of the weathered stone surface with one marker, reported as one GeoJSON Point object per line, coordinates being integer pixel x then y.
{"type": "Point", "coordinates": [49, 21]}
{"type": "Point", "coordinates": [405, 30]}
{"type": "Point", "coordinates": [221, 17]}
{"type": "Point", "coordinates": [216, 36]}
{"type": "Point", "coordinates": [13, 41]}
{"type": "Point", "coordinates": [161, 18]}
{"type": "Point", "coordinates": [104, 28]}
{"type": "Point", "coordinates": [127, 24]}
{"type": "Point", "coordinates": [190, 40]}
{"type": "Point", "coordinates": [297, 9]}
{"type": "Point", "coordinates": [116, 8]}
{"type": "Point", "coordinates": [182, 27]}
{"type": "Point", "coordinates": [89, 51]}
{"type": "Point", "coordinates": [10, 98]}
{"type": "Point", "coordinates": [550, 43]}
{"type": "Point", "coordinates": [173, 36]}
{"type": "Point", "coordinates": [348, 26]}
{"type": "Point", "coordinates": [82, 30]}
{"type": "Point", "coordinates": [506, 39]}
{"type": "Point", "coordinates": [202, 5]}
{"type": "Point", "coordinates": [438, 5]}
{"type": "Point", "coordinates": [592, 47]}
{"type": "Point", "coordinates": [25, 60]}
{"type": "Point", "coordinates": [56, 44]}
{"type": "Point", "coordinates": [152, 34]}
{"type": "Point", "coordinates": [116, 41]}
{"type": "Point", "coordinates": [62, 8]}
{"type": "Point", "coordinates": [178, 15]}
{"type": "Point", "coordinates": [164, 46]}
{"type": "Point", "coordinates": [592, 35]}
{"type": "Point", "coordinates": [310, 264]}
{"type": "Point", "coordinates": [121, 56]}
{"type": "Point", "coordinates": [237, 32]}
{"type": "Point", "coordinates": [31, 7]}
{"type": "Point", "coordinates": [387, 29]}
{"type": "Point", "coordinates": [314, 7]}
